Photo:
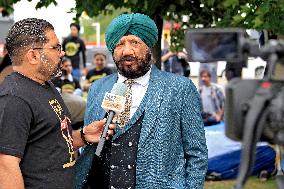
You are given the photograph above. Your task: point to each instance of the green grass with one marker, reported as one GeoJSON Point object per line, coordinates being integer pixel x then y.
{"type": "Point", "coordinates": [253, 183]}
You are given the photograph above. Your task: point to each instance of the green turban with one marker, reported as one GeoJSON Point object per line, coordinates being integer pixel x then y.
{"type": "Point", "coordinates": [137, 24]}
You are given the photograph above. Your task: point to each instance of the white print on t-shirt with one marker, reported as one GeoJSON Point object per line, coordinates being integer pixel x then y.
{"type": "Point", "coordinates": [64, 124]}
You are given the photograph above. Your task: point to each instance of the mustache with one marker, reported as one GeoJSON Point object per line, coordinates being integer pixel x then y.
{"type": "Point", "coordinates": [127, 58]}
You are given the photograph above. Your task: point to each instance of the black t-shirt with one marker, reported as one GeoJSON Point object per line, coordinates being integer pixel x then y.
{"type": "Point", "coordinates": [66, 84]}
{"type": "Point", "coordinates": [94, 75]}
{"type": "Point", "coordinates": [35, 126]}
{"type": "Point", "coordinates": [72, 46]}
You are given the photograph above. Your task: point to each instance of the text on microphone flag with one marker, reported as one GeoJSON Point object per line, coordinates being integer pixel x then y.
{"type": "Point", "coordinates": [113, 102]}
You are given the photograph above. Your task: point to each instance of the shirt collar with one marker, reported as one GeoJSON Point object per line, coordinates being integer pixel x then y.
{"type": "Point", "coordinates": [143, 80]}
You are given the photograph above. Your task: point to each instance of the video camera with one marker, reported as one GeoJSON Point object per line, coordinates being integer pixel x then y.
{"type": "Point", "coordinates": [254, 109]}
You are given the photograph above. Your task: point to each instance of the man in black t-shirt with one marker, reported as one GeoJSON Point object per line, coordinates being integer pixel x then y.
{"type": "Point", "coordinates": [36, 140]}
{"type": "Point", "coordinates": [73, 45]}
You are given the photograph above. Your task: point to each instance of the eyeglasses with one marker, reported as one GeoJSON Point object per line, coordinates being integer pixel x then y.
{"type": "Point", "coordinates": [57, 47]}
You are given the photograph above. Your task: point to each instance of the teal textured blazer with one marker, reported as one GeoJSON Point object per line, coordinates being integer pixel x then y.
{"type": "Point", "coordinates": [172, 151]}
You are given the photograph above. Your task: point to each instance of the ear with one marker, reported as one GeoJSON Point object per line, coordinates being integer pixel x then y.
{"type": "Point", "coordinates": [33, 56]}
{"type": "Point", "coordinates": [115, 55]}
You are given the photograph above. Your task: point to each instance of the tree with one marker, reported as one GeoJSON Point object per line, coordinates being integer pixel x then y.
{"type": "Point", "coordinates": [157, 9]}
{"type": "Point", "coordinates": [258, 14]}
{"type": "Point", "coordinates": [104, 20]}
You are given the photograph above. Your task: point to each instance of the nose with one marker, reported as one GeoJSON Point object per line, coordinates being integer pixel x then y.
{"type": "Point", "coordinates": [128, 49]}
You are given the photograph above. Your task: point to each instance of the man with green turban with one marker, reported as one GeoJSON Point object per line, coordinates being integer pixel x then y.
{"type": "Point", "coordinates": [159, 141]}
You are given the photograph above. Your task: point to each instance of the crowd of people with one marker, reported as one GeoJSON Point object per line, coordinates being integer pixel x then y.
{"type": "Point", "coordinates": [157, 141]}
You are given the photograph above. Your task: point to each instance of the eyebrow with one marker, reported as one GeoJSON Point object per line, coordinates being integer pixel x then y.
{"type": "Point", "coordinates": [131, 40]}
{"type": "Point", "coordinates": [136, 40]}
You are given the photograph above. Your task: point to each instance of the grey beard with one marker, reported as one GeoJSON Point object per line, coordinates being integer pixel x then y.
{"type": "Point", "coordinates": [143, 67]}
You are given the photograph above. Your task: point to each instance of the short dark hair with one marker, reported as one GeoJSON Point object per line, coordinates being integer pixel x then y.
{"type": "Point", "coordinates": [65, 59]}
{"type": "Point", "coordinates": [205, 72]}
{"type": "Point", "coordinates": [102, 54]}
{"type": "Point", "coordinates": [26, 33]}
{"type": "Point", "coordinates": [75, 25]}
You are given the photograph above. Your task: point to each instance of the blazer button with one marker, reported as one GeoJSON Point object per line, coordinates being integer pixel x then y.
{"type": "Point", "coordinates": [130, 144]}
{"type": "Point", "coordinates": [112, 166]}
{"type": "Point", "coordinates": [129, 167]}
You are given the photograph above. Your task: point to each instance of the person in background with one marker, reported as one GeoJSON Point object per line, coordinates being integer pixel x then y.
{"type": "Point", "coordinates": [76, 106]}
{"type": "Point", "coordinates": [212, 68]}
{"type": "Point", "coordinates": [213, 99]}
{"type": "Point", "coordinates": [175, 62]}
{"type": "Point", "coordinates": [159, 141]}
{"type": "Point", "coordinates": [72, 46]}
{"type": "Point", "coordinates": [71, 93]}
{"type": "Point", "coordinates": [98, 72]}
{"type": "Point", "coordinates": [5, 66]}
{"type": "Point", "coordinates": [233, 70]}
{"type": "Point", "coordinates": [67, 83]}
{"type": "Point", "coordinates": [37, 142]}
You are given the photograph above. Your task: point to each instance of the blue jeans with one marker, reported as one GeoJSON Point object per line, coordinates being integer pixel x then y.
{"type": "Point", "coordinates": [76, 73]}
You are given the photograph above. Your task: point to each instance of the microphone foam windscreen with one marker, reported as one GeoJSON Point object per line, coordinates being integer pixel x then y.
{"type": "Point", "coordinates": [119, 89]}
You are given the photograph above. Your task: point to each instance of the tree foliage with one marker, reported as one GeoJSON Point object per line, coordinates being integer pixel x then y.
{"type": "Point", "coordinates": [104, 20]}
{"type": "Point", "coordinates": [257, 14]}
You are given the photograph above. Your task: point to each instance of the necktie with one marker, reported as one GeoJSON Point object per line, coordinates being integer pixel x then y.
{"type": "Point", "coordinates": [124, 116]}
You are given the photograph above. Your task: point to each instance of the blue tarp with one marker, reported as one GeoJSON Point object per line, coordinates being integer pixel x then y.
{"type": "Point", "coordinates": [224, 154]}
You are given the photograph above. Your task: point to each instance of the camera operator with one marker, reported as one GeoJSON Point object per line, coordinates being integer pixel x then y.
{"type": "Point", "coordinates": [254, 107]}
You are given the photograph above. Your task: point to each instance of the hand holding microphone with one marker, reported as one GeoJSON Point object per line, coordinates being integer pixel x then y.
{"type": "Point", "coordinates": [113, 103]}
{"type": "Point", "coordinates": [93, 131]}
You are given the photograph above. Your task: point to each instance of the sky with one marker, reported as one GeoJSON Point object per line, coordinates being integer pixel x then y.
{"type": "Point", "coordinates": [56, 15]}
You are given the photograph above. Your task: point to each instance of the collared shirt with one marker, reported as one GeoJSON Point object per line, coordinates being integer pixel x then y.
{"type": "Point", "coordinates": [139, 89]}
{"type": "Point", "coordinates": [212, 98]}
{"type": "Point", "coordinates": [207, 102]}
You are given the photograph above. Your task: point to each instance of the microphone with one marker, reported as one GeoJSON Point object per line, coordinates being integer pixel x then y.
{"type": "Point", "coordinates": [113, 103]}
